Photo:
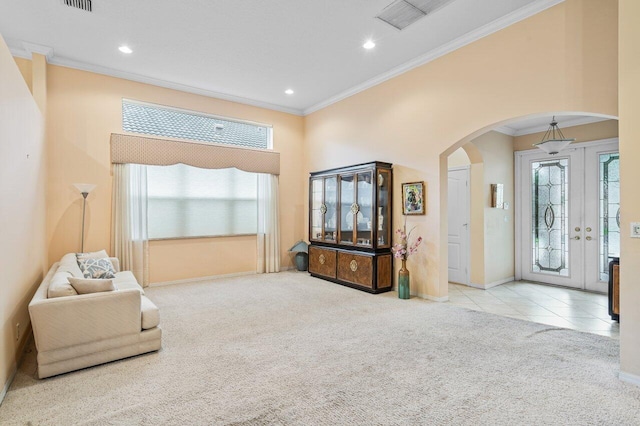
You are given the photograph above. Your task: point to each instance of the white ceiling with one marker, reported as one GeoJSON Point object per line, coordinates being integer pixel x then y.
{"type": "Point", "coordinates": [249, 50]}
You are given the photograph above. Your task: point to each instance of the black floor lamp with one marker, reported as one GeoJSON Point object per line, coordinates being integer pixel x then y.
{"type": "Point", "coordinates": [85, 189]}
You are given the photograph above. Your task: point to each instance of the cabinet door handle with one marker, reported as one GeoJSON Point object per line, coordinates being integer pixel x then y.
{"type": "Point", "coordinates": [323, 208]}
{"type": "Point", "coordinates": [353, 265]}
{"type": "Point", "coordinates": [577, 237]}
{"type": "Point", "coordinates": [589, 238]}
{"type": "Point", "coordinates": [321, 259]}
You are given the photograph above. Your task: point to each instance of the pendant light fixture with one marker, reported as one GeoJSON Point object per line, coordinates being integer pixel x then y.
{"type": "Point", "coordinates": [553, 140]}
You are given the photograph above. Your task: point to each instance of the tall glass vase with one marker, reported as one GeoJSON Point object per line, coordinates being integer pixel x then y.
{"type": "Point", "coordinates": [404, 290]}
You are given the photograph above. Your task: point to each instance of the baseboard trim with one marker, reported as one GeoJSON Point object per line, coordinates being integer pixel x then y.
{"type": "Point", "coordinates": [433, 298]}
{"type": "Point", "coordinates": [491, 285]}
{"type": "Point", "coordinates": [193, 280]}
{"type": "Point", "coordinates": [5, 389]}
{"type": "Point", "coordinates": [26, 341]}
{"type": "Point", "coordinates": [629, 378]}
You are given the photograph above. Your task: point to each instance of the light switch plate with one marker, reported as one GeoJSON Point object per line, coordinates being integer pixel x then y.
{"type": "Point", "coordinates": [635, 229]}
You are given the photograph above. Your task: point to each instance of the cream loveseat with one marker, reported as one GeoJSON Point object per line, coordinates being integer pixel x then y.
{"type": "Point", "coordinates": [74, 331]}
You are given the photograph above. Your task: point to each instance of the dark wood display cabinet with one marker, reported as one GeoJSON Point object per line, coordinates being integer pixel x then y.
{"type": "Point", "coordinates": [614, 288]}
{"type": "Point", "coordinates": [350, 226]}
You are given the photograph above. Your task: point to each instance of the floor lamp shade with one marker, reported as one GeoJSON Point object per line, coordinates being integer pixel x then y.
{"type": "Point", "coordinates": [85, 189]}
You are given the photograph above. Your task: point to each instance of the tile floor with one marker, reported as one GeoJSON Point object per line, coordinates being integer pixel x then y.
{"type": "Point", "coordinates": [556, 306]}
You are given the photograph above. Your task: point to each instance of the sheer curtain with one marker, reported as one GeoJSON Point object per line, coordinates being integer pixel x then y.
{"type": "Point", "coordinates": [130, 239]}
{"type": "Point", "coordinates": [268, 228]}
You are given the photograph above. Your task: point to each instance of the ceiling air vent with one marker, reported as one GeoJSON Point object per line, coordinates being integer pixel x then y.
{"type": "Point", "coordinates": [79, 4]}
{"type": "Point", "coordinates": [402, 13]}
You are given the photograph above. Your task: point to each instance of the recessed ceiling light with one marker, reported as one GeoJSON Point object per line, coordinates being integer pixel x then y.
{"type": "Point", "coordinates": [289, 92]}
{"type": "Point", "coordinates": [125, 49]}
{"type": "Point", "coordinates": [369, 45]}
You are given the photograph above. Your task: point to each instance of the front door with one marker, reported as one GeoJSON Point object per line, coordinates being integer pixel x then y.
{"type": "Point", "coordinates": [569, 215]}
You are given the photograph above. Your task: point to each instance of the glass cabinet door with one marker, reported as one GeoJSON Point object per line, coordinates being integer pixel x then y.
{"type": "Point", "coordinates": [347, 200]}
{"type": "Point", "coordinates": [317, 210]}
{"type": "Point", "coordinates": [331, 209]}
{"type": "Point", "coordinates": [364, 209]}
{"type": "Point", "coordinates": [383, 224]}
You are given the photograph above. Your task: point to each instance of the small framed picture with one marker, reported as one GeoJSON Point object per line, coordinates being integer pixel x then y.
{"type": "Point", "coordinates": [413, 198]}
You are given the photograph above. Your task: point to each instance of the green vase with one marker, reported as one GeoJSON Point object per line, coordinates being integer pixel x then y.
{"type": "Point", "coordinates": [404, 289]}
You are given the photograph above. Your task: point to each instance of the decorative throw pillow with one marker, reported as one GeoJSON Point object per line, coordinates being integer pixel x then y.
{"type": "Point", "coordinates": [86, 286]}
{"type": "Point", "coordinates": [97, 268]}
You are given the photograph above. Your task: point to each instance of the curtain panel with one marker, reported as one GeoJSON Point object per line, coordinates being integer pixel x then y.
{"type": "Point", "coordinates": [268, 224]}
{"type": "Point", "coordinates": [130, 239]}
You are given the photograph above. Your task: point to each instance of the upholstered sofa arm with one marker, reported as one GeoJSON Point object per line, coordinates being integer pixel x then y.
{"type": "Point", "coordinates": [63, 322]}
{"type": "Point", "coordinates": [116, 263]}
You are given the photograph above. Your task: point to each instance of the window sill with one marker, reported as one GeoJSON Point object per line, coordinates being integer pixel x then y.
{"type": "Point", "coordinates": [201, 237]}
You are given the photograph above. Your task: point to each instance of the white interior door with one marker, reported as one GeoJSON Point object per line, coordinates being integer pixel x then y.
{"type": "Point", "coordinates": [569, 215]}
{"type": "Point", "coordinates": [458, 213]}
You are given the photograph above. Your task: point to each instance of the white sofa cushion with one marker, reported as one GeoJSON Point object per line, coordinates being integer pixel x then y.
{"type": "Point", "coordinates": [69, 263]}
{"type": "Point", "coordinates": [86, 285]}
{"type": "Point", "coordinates": [125, 280]}
{"type": "Point", "coordinates": [60, 286]}
{"type": "Point", "coordinates": [150, 313]}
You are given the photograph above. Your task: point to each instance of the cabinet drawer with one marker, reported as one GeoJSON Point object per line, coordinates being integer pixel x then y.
{"type": "Point", "coordinates": [355, 269]}
{"type": "Point", "coordinates": [322, 262]}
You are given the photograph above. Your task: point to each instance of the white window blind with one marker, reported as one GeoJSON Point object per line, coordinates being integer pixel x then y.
{"type": "Point", "coordinates": [186, 201]}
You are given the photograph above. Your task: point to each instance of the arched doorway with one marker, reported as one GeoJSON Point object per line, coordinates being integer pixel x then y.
{"type": "Point", "coordinates": [494, 253]}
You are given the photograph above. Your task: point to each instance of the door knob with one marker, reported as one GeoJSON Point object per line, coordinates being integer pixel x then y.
{"type": "Point", "coordinates": [577, 237]}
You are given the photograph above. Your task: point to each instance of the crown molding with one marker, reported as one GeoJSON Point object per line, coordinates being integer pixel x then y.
{"type": "Point", "coordinates": [32, 48]}
{"type": "Point", "coordinates": [506, 130]}
{"type": "Point", "coordinates": [19, 52]}
{"type": "Point", "coordinates": [490, 28]}
{"type": "Point", "coordinates": [571, 123]}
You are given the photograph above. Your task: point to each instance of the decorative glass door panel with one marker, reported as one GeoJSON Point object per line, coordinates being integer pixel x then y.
{"type": "Point", "coordinates": [317, 210]}
{"type": "Point", "coordinates": [364, 207]}
{"type": "Point", "coordinates": [609, 211]}
{"type": "Point", "coordinates": [383, 218]}
{"type": "Point", "coordinates": [569, 218]}
{"type": "Point", "coordinates": [347, 200]}
{"type": "Point", "coordinates": [550, 235]}
{"type": "Point", "coordinates": [331, 208]}
{"type": "Point", "coordinates": [602, 213]}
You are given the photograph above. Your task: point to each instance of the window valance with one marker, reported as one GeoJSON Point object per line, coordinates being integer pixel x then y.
{"type": "Point", "coordinates": [135, 149]}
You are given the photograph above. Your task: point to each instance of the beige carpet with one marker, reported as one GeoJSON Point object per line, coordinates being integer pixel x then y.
{"type": "Point", "coordinates": [289, 349]}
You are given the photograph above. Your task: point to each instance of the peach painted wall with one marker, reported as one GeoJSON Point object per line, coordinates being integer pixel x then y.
{"type": "Point", "coordinates": [458, 158]}
{"type": "Point", "coordinates": [84, 108]}
{"type": "Point", "coordinates": [629, 92]}
{"type": "Point", "coordinates": [23, 253]}
{"type": "Point", "coordinates": [499, 237]}
{"type": "Point", "coordinates": [417, 119]}
{"type": "Point", "coordinates": [197, 254]}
